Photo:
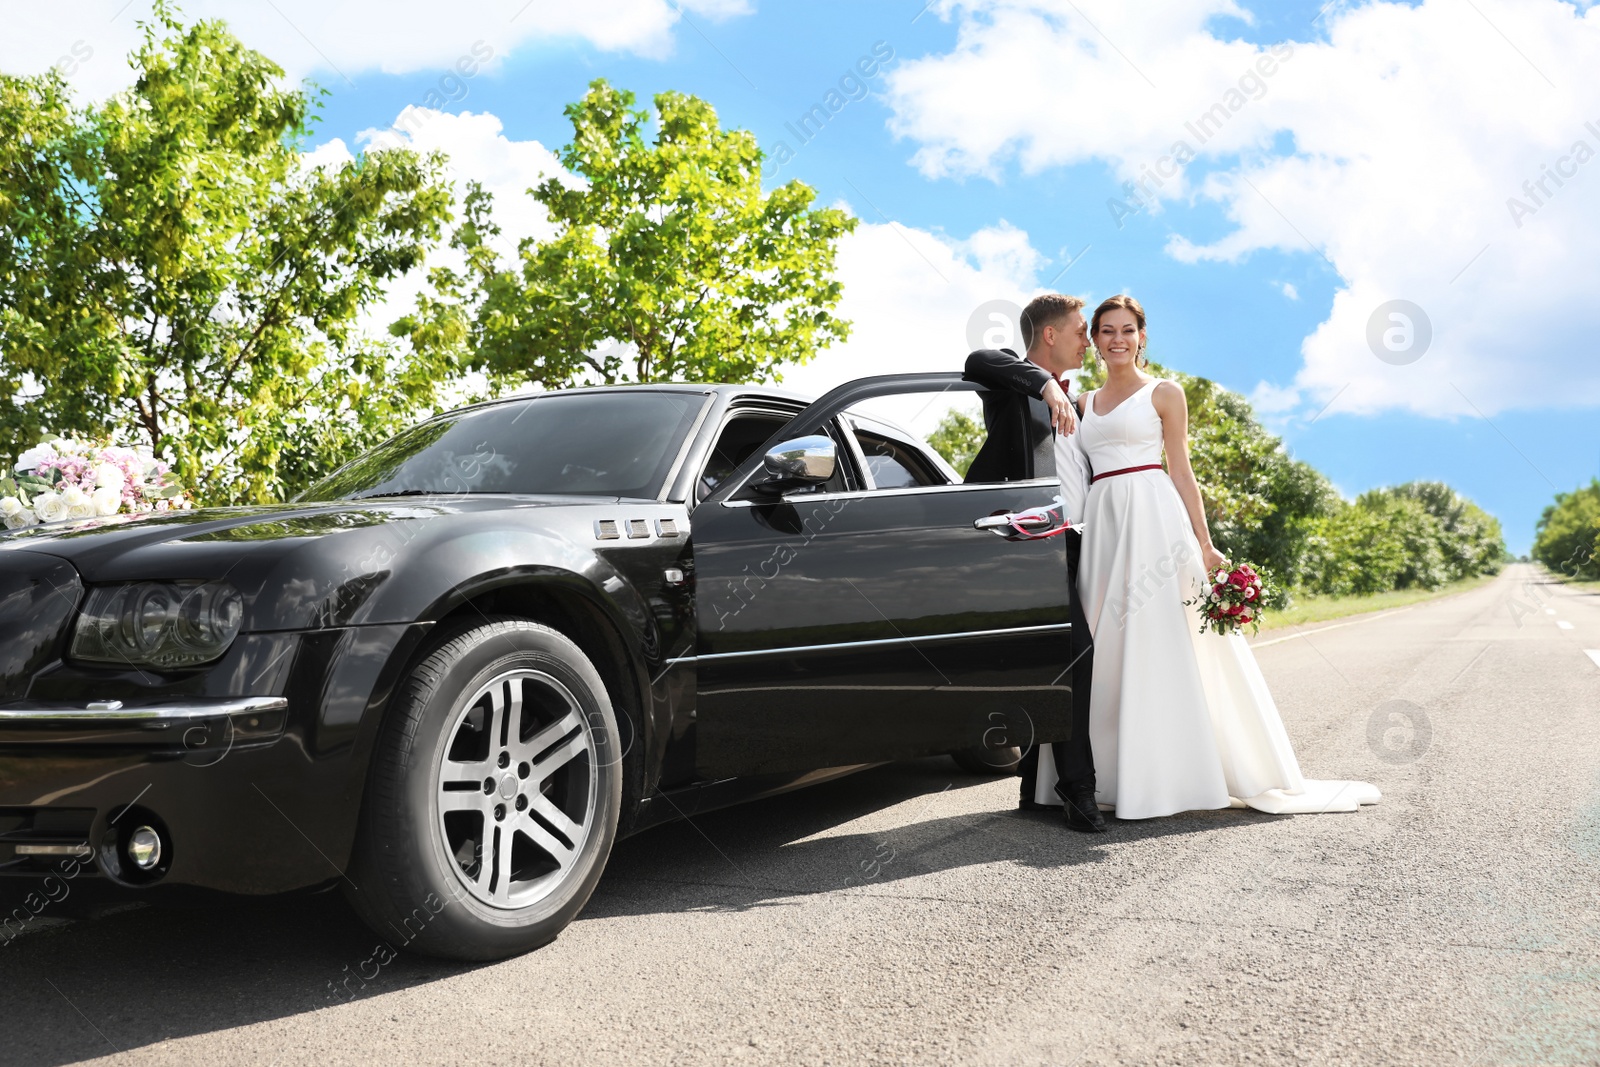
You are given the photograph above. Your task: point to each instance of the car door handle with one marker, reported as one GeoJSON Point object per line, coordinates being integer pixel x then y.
{"type": "Point", "coordinates": [1006, 520]}
{"type": "Point", "coordinates": [1032, 524]}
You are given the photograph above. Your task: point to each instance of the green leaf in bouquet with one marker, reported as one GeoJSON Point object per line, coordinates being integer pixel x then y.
{"type": "Point", "coordinates": [8, 486]}
{"type": "Point", "coordinates": [170, 490]}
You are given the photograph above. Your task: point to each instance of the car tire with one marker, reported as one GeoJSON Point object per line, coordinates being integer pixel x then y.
{"type": "Point", "coordinates": [997, 762]}
{"type": "Point", "coordinates": [492, 801]}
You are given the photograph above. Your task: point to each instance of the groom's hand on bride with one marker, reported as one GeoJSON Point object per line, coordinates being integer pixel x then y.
{"type": "Point", "coordinates": [1062, 417]}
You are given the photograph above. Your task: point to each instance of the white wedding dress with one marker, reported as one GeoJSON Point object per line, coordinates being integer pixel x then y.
{"type": "Point", "coordinates": [1179, 720]}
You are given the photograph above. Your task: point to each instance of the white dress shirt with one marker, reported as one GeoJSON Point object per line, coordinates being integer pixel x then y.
{"type": "Point", "coordinates": [1072, 469]}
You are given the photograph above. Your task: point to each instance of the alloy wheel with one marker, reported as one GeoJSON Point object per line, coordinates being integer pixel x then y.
{"type": "Point", "coordinates": [516, 788]}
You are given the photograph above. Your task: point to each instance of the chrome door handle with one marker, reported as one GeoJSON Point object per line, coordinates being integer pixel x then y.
{"type": "Point", "coordinates": [1008, 520]}
{"type": "Point", "coordinates": [1032, 524]}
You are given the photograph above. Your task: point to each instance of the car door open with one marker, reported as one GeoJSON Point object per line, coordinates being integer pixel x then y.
{"type": "Point", "coordinates": [862, 624]}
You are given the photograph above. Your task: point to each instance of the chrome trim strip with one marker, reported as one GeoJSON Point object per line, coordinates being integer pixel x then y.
{"type": "Point", "coordinates": [900, 688]}
{"type": "Point", "coordinates": [689, 441]}
{"type": "Point", "coordinates": [859, 456]}
{"type": "Point", "coordinates": [854, 494]}
{"type": "Point", "coordinates": [155, 713]}
{"type": "Point", "coordinates": [1053, 627]}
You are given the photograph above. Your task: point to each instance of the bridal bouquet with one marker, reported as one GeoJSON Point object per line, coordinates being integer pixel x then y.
{"type": "Point", "coordinates": [1233, 602]}
{"type": "Point", "coordinates": [61, 479]}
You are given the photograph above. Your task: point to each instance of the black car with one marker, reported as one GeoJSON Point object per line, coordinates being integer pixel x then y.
{"type": "Point", "coordinates": [449, 675]}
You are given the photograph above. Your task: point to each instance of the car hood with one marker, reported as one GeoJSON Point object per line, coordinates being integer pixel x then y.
{"type": "Point", "coordinates": [92, 544]}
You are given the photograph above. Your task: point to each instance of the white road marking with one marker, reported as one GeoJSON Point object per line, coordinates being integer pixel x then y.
{"type": "Point", "coordinates": [1325, 629]}
{"type": "Point", "coordinates": [1564, 624]}
{"type": "Point", "coordinates": [1594, 654]}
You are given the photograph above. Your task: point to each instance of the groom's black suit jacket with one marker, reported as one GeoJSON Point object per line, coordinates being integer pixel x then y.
{"type": "Point", "coordinates": [1014, 414]}
{"type": "Point", "coordinates": [1019, 437]}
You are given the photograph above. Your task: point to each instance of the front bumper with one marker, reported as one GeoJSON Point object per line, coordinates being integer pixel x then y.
{"type": "Point", "coordinates": [217, 778]}
{"type": "Point", "coordinates": [255, 794]}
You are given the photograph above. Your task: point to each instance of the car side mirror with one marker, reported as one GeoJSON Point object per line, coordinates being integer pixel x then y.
{"type": "Point", "coordinates": [801, 462]}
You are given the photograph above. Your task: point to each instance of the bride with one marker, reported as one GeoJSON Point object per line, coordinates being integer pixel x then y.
{"type": "Point", "coordinates": [1179, 720]}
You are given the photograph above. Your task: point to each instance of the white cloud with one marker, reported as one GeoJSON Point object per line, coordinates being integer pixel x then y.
{"type": "Point", "coordinates": [1288, 290]}
{"type": "Point", "coordinates": [1409, 126]}
{"type": "Point", "coordinates": [911, 296]}
{"type": "Point", "coordinates": [478, 150]}
{"type": "Point", "coordinates": [342, 40]}
{"type": "Point", "coordinates": [1273, 400]}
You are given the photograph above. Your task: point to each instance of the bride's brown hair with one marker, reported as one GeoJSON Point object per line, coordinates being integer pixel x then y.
{"type": "Point", "coordinates": [1128, 304]}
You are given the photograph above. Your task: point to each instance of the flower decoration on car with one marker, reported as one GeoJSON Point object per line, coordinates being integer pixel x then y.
{"type": "Point", "coordinates": [65, 478]}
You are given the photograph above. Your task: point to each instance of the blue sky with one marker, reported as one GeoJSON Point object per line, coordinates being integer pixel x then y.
{"type": "Point", "coordinates": [1377, 159]}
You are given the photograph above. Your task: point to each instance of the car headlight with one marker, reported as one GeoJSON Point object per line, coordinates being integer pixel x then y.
{"type": "Point", "coordinates": [158, 624]}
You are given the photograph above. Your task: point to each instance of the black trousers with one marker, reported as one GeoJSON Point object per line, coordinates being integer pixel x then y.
{"type": "Point", "coordinates": [1074, 758]}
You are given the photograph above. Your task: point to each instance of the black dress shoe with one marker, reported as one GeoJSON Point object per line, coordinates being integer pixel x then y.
{"type": "Point", "coordinates": [1083, 813]}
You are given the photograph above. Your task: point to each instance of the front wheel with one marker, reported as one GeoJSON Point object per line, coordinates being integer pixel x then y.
{"type": "Point", "coordinates": [492, 802]}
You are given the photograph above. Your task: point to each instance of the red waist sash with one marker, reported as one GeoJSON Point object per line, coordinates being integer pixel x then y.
{"type": "Point", "coordinates": [1126, 470]}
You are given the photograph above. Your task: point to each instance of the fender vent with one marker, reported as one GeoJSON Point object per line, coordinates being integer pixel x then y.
{"type": "Point", "coordinates": [606, 529]}
{"type": "Point", "coordinates": [638, 528]}
{"type": "Point", "coordinates": [666, 528]}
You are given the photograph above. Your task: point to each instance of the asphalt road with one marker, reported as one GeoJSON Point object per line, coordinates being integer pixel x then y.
{"type": "Point", "coordinates": [912, 915]}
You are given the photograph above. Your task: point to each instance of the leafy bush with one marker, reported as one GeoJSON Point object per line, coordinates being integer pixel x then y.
{"type": "Point", "coordinates": [1417, 536]}
{"type": "Point", "coordinates": [1567, 539]}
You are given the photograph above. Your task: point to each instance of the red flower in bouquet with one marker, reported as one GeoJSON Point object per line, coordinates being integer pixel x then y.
{"type": "Point", "coordinates": [1232, 602]}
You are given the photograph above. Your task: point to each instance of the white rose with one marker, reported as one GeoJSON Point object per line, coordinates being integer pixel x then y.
{"type": "Point", "coordinates": [10, 507]}
{"type": "Point", "coordinates": [30, 459]}
{"type": "Point", "coordinates": [109, 476]}
{"type": "Point", "coordinates": [79, 504]}
{"type": "Point", "coordinates": [50, 507]}
{"type": "Point", "coordinates": [107, 501]}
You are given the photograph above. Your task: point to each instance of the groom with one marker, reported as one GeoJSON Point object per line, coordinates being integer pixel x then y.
{"type": "Point", "coordinates": [1025, 402]}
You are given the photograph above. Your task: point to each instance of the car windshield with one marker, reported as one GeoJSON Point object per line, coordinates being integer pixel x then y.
{"type": "Point", "coordinates": [586, 444]}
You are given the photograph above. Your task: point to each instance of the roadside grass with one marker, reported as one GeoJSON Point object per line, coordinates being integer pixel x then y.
{"type": "Point", "coordinates": [1309, 609]}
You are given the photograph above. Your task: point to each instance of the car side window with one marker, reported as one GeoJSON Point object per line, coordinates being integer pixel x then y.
{"type": "Point", "coordinates": [893, 464]}
{"type": "Point", "coordinates": [740, 436]}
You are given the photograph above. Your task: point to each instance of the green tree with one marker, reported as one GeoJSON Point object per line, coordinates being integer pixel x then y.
{"type": "Point", "coordinates": [669, 261]}
{"type": "Point", "coordinates": [1567, 539]}
{"type": "Point", "coordinates": [957, 438]}
{"type": "Point", "coordinates": [1469, 540]}
{"type": "Point", "coordinates": [172, 273]}
{"type": "Point", "coordinates": [1356, 551]}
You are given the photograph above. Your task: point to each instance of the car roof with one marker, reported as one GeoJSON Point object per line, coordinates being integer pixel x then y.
{"type": "Point", "coordinates": [722, 389]}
